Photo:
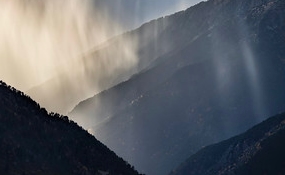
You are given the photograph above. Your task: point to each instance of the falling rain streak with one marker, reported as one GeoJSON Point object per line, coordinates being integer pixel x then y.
{"type": "Point", "coordinates": [43, 39]}
{"type": "Point", "coordinates": [251, 68]}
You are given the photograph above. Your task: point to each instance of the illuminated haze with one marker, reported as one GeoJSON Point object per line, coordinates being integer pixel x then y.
{"type": "Point", "coordinates": [44, 39]}
{"type": "Point", "coordinates": [46, 45]}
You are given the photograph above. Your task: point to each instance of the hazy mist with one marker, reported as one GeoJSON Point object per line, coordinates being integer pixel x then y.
{"type": "Point", "coordinates": [48, 48]}
{"type": "Point", "coordinates": [46, 42]}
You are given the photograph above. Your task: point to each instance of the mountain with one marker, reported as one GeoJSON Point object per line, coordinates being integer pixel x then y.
{"type": "Point", "coordinates": [210, 72]}
{"type": "Point", "coordinates": [35, 142]}
{"type": "Point", "coordinates": [97, 66]}
{"type": "Point", "coordinates": [260, 150]}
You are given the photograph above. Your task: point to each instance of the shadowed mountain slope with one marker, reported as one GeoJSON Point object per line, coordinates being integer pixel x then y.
{"type": "Point", "coordinates": [214, 71]}
{"type": "Point", "coordinates": [35, 142]}
{"type": "Point", "coordinates": [260, 150]}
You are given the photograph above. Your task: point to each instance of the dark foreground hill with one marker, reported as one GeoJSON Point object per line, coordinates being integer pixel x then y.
{"type": "Point", "coordinates": [33, 142]}
{"type": "Point", "coordinates": [260, 150]}
{"type": "Point", "coordinates": [215, 70]}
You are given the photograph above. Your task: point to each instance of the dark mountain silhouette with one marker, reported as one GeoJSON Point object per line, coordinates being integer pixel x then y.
{"type": "Point", "coordinates": [260, 150]}
{"type": "Point", "coordinates": [212, 72]}
{"type": "Point", "coordinates": [35, 142]}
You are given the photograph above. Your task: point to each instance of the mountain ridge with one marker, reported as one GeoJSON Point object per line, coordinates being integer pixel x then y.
{"type": "Point", "coordinates": [35, 142]}
{"type": "Point", "coordinates": [242, 154]}
{"type": "Point", "coordinates": [222, 74]}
